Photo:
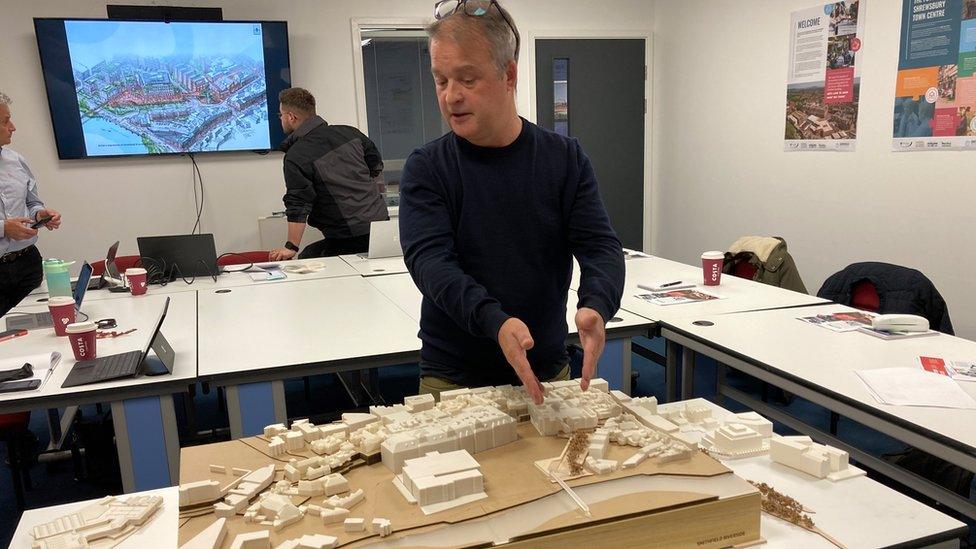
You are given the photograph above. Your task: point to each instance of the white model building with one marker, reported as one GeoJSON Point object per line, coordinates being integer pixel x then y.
{"type": "Point", "coordinates": [567, 408]}
{"type": "Point", "coordinates": [441, 481]}
{"type": "Point", "coordinates": [348, 501]}
{"type": "Point", "coordinates": [310, 541]}
{"type": "Point", "coordinates": [600, 466]}
{"type": "Point", "coordinates": [463, 423]}
{"type": "Point", "coordinates": [755, 422]}
{"type": "Point", "coordinates": [246, 489]}
{"type": "Point", "coordinates": [104, 520]}
{"type": "Point", "coordinates": [354, 524]}
{"type": "Point", "coordinates": [382, 526]}
{"type": "Point", "coordinates": [735, 440]}
{"type": "Point", "coordinates": [210, 538]}
{"type": "Point", "coordinates": [195, 493]}
{"type": "Point", "coordinates": [252, 540]}
{"type": "Point", "coordinates": [275, 510]}
{"type": "Point", "coordinates": [819, 460]}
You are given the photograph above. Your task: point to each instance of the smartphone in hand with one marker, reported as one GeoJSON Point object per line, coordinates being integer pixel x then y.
{"type": "Point", "coordinates": [41, 221]}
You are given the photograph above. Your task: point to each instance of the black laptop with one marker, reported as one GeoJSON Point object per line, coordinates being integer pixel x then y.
{"type": "Point", "coordinates": [129, 364]}
{"type": "Point", "coordinates": [168, 257]}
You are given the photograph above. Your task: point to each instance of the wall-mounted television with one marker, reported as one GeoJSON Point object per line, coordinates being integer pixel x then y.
{"type": "Point", "coordinates": [130, 88]}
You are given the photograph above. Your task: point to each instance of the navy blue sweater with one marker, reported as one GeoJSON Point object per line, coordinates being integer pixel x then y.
{"type": "Point", "coordinates": [488, 234]}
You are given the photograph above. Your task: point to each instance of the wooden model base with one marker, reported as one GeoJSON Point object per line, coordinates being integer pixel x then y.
{"type": "Point", "coordinates": [698, 502]}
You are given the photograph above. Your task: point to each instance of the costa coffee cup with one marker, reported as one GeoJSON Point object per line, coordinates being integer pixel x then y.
{"type": "Point", "coordinates": [82, 338]}
{"type": "Point", "coordinates": [137, 280]}
{"type": "Point", "coordinates": [712, 267]}
{"type": "Point", "coordinates": [62, 313]}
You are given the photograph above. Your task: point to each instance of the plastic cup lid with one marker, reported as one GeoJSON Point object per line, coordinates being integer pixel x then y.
{"type": "Point", "coordinates": [60, 300]}
{"type": "Point", "coordinates": [713, 255]}
{"type": "Point", "coordinates": [54, 264]}
{"type": "Point", "coordinates": [131, 271]}
{"type": "Point", "coordinates": [80, 327]}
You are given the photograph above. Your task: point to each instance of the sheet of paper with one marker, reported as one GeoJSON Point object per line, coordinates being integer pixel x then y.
{"type": "Point", "coordinates": [915, 387]}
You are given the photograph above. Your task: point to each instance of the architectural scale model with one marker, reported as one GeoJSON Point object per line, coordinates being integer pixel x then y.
{"type": "Point", "coordinates": [102, 524]}
{"type": "Point", "coordinates": [432, 447]}
{"type": "Point", "coordinates": [821, 461]}
{"type": "Point", "coordinates": [741, 435]}
{"type": "Point", "coordinates": [441, 481]}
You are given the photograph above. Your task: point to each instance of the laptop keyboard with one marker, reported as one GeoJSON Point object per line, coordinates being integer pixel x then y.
{"type": "Point", "coordinates": [113, 366]}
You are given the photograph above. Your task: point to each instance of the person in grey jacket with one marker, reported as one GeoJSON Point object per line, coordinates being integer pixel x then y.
{"type": "Point", "coordinates": [332, 178]}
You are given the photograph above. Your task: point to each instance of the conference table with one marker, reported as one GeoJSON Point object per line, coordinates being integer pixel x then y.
{"type": "Point", "coordinates": [736, 295]}
{"type": "Point", "coordinates": [819, 365]}
{"type": "Point", "coordinates": [375, 267]}
{"type": "Point", "coordinates": [143, 415]}
{"type": "Point", "coordinates": [231, 276]}
{"type": "Point", "coordinates": [254, 337]}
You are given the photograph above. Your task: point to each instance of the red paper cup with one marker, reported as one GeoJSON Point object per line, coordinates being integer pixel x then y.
{"type": "Point", "coordinates": [712, 267]}
{"type": "Point", "coordinates": [82, 338]}
{"type": "Point", "coordinates": [137, 280]}
{"type": "Point", "coordinates": [62, 310]}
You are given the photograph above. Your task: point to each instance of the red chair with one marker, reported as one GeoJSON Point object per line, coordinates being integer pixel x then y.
{"type": "Point", "coordinates": [243, 258]}
{"type": "Point", "coordinates": [865, 296]}
{"type": "Point", "coordinates": [121, 263]}
{"type": "Point", "coordinates": [744, 269]}
{"type": "Point", "coordinates": [13, 427]}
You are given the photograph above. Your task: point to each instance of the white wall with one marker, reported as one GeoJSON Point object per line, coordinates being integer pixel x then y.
{"type": "Point", "coordinates": [107, 199]}
{"type": "Point", "coordinates": [720, 172]}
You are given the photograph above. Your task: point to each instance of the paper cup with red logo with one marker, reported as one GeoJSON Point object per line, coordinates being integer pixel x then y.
{"type": "Point", "coordinates": [712, 267]}
{"type": "Point", "coordinates": [137, 280]}
{"type": "Point", "coordinates": [82, 338]}
{"type": "Point", "coordinates": [62, 310]}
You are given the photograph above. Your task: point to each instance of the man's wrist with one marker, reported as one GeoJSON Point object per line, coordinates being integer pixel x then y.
{"type": "Point", "coordinates": [291, 246]}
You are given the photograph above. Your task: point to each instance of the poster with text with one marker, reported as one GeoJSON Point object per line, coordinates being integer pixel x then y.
{"type": "Point", "coordinates": [935, 92]}
{"type": "Point", "coordinates": [824, 79]}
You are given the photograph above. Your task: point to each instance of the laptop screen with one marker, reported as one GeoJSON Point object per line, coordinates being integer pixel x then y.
{"type": "Point", "coordinates": [82, 285]}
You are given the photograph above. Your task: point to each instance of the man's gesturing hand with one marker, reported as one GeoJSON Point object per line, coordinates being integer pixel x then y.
{"type": "Point", "coordinates": [514, 339]}
{"type": "Point", "coordinates": [593, 337]}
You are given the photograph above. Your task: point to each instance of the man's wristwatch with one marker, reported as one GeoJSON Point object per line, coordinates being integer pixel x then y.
{"type": "Point", "coordinates": [291, 246]}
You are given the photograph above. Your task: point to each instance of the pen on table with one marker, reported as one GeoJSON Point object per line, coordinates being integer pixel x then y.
{"type": "Point", "coordinates": [659, 287]}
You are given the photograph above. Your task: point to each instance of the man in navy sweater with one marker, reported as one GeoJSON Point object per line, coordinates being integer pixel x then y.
{"type": "Point", "coordinates": [491, 215]}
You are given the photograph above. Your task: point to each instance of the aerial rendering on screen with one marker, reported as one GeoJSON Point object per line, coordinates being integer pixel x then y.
{"type": "Point", "coordinates": [158, 88]}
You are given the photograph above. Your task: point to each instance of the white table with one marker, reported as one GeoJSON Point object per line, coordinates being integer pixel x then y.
{"type": "Point", "coordinates": [738, 295]}
{"type": "Point", "coordinates": [254, 337]}
{"type": "Point", "coordinates": [376, 267]}
{"type": "Point", "coordinates": [615, 363]}
{"type": "Point", "coordinates": [859, 512]}
{"type": "Point", "coordinates": [818, 365]}
{"type": "Point", "coordinates": [161, 531]}
{"type": "Point", "coordinates": [326, 267]}
{"type": "Point", "coordinates": [142, 407]}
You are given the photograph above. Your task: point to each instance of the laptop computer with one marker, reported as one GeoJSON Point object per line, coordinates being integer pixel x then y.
{"type": "Point", "coordinates": [128, 364]}
{"type": "Point", "coordinates": [384, 240]}
{"type": "Point", "coordinates": [81, 286]}
{"type": "Point", "coordinates": [188, 255]}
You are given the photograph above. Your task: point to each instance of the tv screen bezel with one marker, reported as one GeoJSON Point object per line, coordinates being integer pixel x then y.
{"type": "Point", "coordinates": [273, 107]}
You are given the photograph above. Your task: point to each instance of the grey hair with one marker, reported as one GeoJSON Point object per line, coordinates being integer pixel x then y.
{"type": "Point", "coordinates": [491, 26]}
{"type": "Point", "coordinates": [5, 99]}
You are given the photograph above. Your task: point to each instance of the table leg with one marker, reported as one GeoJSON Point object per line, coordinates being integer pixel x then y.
{"type": "Point", "coordinates": [671, 371]}
{"type": "Point", "coordinates": [252, 406]}
{"type": "Point", "coordinates": [147, 442]}
{"type": "Point", "coordinates": [615, 364]}
{"type": "Point", "coordinates": [687, 373]}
